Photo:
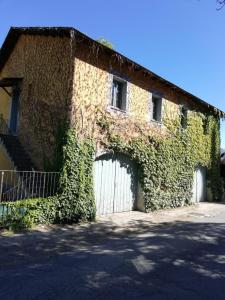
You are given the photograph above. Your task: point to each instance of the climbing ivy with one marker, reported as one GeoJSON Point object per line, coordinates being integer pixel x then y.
{"type": "Point", "coordinates": [75, 199]}
{"type": "Point", "coordinates": [166, 165]}
{"type": "Point", "coordinates": [76, 196]}
{"type": "Point", "coordinates": [24, 214]}
{"type": "Point", "coordinates": [73, 158]}
{"type": "Point", "coordinates": [56, 164]}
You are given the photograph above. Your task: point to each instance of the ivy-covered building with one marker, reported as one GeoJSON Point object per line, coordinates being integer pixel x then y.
{"type": "Point", "coordinates": [139, 141]}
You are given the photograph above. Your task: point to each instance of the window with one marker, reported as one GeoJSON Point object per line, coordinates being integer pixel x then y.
{"type": "Point", "coordinates": [184, 114]}
{"type": "Point", "coordinates": [156, 109]}
{"type": "Point", "coordinates": [119, 94]}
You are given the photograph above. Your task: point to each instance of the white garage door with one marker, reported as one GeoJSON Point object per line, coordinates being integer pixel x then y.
{"type": "Point", "coordinates": [199, 185]}
{"type": "Point", "coordinates": [115, 183]}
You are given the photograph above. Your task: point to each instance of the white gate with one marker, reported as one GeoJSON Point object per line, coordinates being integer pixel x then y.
{"type": "Point", "coordinates": [115, 183]}
{"type": "Point", "coordinates": [199, 185]}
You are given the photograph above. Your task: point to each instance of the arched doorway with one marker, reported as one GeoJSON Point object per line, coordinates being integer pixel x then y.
{"type": "Point", "coordinates": [115, 183]}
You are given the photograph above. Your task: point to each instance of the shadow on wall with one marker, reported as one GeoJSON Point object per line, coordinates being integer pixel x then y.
{"type": "Point", "coordinates": [178, 260]}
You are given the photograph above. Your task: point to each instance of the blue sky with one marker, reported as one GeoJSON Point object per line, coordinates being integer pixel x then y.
{"type": "Point", "coordinates": [181, 40]}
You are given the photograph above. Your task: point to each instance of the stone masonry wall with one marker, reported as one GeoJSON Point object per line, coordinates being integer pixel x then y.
{"type": "Point", "coordinates": [92, 92]}
{"type": "Point", "coordinates": [92, 114]}
{"type": "Point", "coordinates": [45, 65]}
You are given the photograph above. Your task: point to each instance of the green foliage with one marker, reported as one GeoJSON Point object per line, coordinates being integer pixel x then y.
{"type": "Point", "coordinates": [76, 196]}
{"type": "Point", "coordinates": [166, 168]}
{"type": "Point", "coordinates": [61, 140]}
{"type": "Point", "coordinates": [24, 214]}
{"type": "Point", "coordinates": [105, 43]}
{"type": "Point", "coordinates": [57, 164]}
{"type": "Point", "coordinates": [103, 123]}
{"type": "Point", "coordinates": [167, 165]}
{"type": "Point", "coordinates": [75, 199]}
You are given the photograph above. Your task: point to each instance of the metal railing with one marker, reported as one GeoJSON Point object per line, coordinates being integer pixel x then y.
{"type": "Point", "coordinates": [18, 185]}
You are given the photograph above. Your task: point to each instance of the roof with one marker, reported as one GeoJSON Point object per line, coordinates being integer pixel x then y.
{"type": "Point", "coordinates": [15, 32]}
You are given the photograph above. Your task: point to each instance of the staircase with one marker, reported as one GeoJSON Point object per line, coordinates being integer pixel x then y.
{"type": "Point", "coordinates": [17, 153]}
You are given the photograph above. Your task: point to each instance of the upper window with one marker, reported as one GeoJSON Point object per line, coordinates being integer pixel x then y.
{"type": "Point", "coordinates": [184, 114]}
{"type": "Point", "coordinates": [156, 109]}
{"type": "Point", "coordinates": [119, 94]}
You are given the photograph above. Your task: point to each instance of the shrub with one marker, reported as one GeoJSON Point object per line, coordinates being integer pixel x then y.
{"type": "Point", "coordinates": [24, 214]}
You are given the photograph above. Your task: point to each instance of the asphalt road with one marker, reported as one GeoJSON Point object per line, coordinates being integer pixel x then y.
{"type": "Point", "coordinates": [169, 256]}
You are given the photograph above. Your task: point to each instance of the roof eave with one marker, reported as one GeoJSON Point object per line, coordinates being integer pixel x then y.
{"type": "Point", "coordinates": [15, 32]}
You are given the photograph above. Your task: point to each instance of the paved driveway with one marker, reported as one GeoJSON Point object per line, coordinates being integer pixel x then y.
{"type": "Point", "coordinates": [177, 254]}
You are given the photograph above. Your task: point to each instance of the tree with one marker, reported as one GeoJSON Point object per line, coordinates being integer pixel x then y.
{"type": "Point", "coordinates": [106, 43]}
{"type": "Point", "coordinates": [221, 4]}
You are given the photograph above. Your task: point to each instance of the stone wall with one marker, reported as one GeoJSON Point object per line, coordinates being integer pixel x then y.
{"type": "Point", "coordinates": [44, 63]}
{"type": "Point", "coordinates": [5, 104]}
{"type": "Point", "coordinates": [91, 97]}
{"type": "Point", "coordinates": [5, 160]}
{"type": "Point", "coordinates": [56, 86]}
{"type": "Point", "coordinates": [92, 90]}
{"type": "Point", "coordinates": [93, 116]}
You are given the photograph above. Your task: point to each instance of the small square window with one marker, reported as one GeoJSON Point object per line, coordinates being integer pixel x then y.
{"type": "Point", "coordinates": [184, 115]}
{"type": "Point", "coordinates": [119, 94]}
{"type": "Point", "coordinates": [156, 109]}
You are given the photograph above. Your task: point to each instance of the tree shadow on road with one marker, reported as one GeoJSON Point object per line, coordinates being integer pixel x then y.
{"type": "Point", "coordinates": [177, 260]}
